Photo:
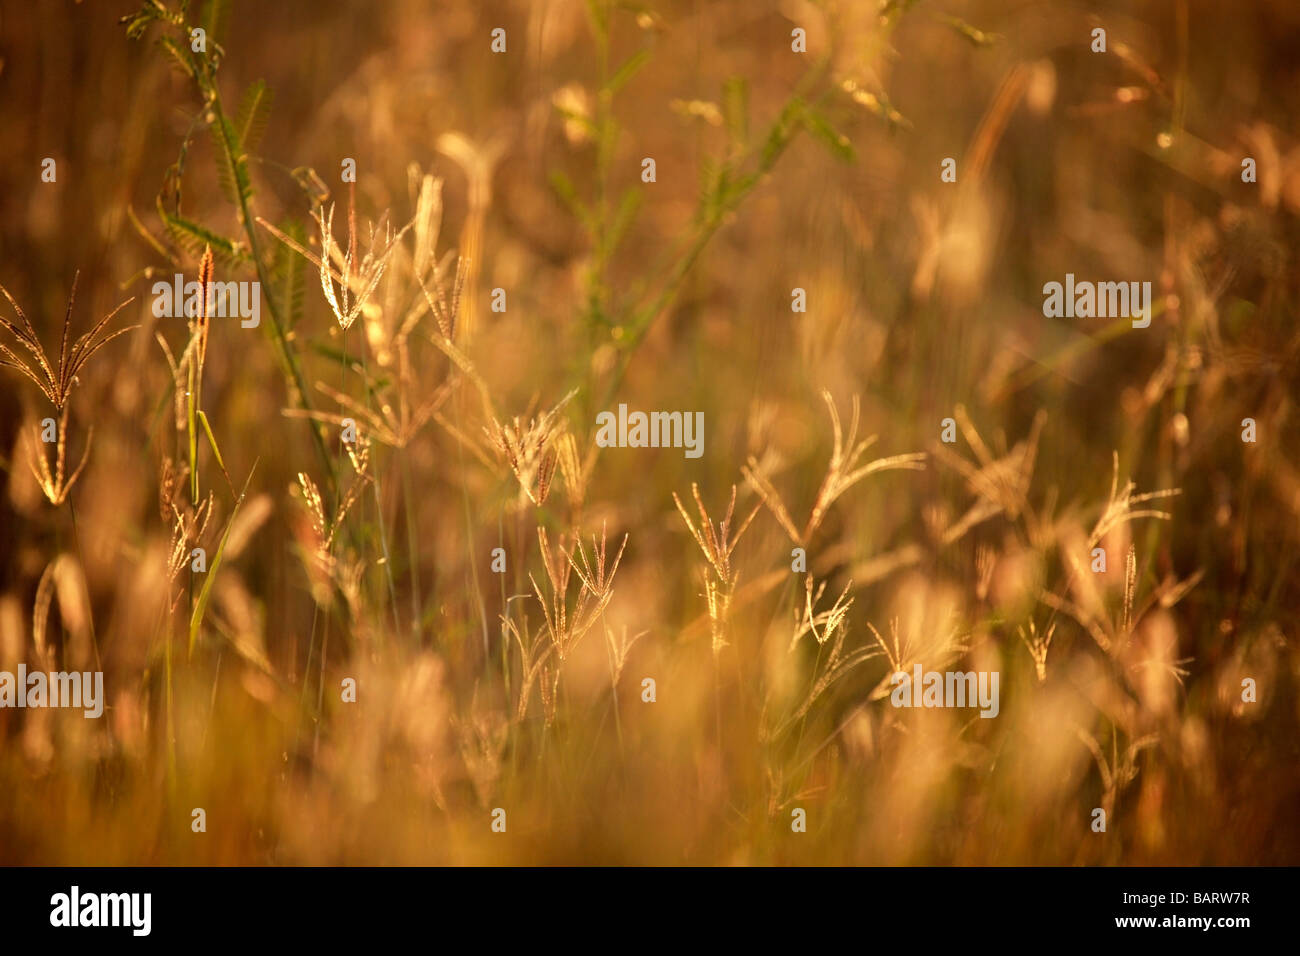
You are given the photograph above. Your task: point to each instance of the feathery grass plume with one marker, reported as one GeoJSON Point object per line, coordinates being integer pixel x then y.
{"type": "Point", "coordinates": [1112, 633]}
{"type": "Point", "coordinates": [567, 628]}
{"type": "Point", "coordinates": [427, 222]}
{"type": "Point", "coordinates": [326, 529]}
{"type": "Point", "coordinates": [533, 655]}
{"type": "Point", "coordinates": [807, 621]}
{"type": "Point", "coordinates": [325, 570]}
{"type": "Point", "coordinates": [188, 528]}
{"type": "Point", "coordinates": [199, 324]}
{"type": "Point", "coordinates": [1038, 645]}
{"type": "Point", "coordinates": [365, 274]}
{"type": "Point", "coordinates": [833, 664]}
{"type": "Point", "coordinates": [934, 651]}
{"type": "Point", "coordinates": [1000, 481]}
{"type": "Point", "coordinates": [359, 454]}
{"type": "Point", "coordinates": [56, 384]}
{"type": "Point", "coordinates": [527, 449]}
{"type": "Point", "coordinates": [315, 505]}
{"type": "Point", "coordinates": [170, 479]}
{"type": "Point", "coordinates": [842, 473]}
{"type": "Point", "coordinates": [597, 580]}
{"type": "Point", "coordinates": [1130, 589]}
{"type": "Point", "coordinates": [443, 722]}
{"type": "Point", "coordinates": [482, 742]}
{"type": "Point", "coordinates": [395, 428]}
{"type": "Point", "coordinates": [564, 629]}
{"type": "Point", "coordinates": [717, 545]}
{"type": "Point", "coordinates": [617, 648]}
{"type": "Point", "coordinates": [548, 687]}
{"type": "Point", "coordinates": [51, 482]}
{"type": "Point", "coordinates": [356, 281]}
{"type": "Point", "coordinates": [446, 308]}
{"type": "Point", "coordinates": [1117, 773]}
{"type": "Point", "coordinates": [1119, 506]}
{"type": "Point", "coordinates": [714, 539]}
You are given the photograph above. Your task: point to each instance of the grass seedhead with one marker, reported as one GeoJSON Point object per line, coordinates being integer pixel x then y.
{"type": "Point", "coordinates": [55, 382]}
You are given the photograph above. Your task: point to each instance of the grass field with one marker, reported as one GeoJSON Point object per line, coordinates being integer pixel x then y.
{"type": "Point", "coordinates": [367, 583]}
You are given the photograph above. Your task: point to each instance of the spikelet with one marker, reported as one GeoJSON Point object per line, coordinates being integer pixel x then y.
{"type": "Point", "coordinates": [203, 319]}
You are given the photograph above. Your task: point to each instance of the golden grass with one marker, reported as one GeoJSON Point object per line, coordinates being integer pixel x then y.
{"type": "Point", "coordinates": [635, 677]}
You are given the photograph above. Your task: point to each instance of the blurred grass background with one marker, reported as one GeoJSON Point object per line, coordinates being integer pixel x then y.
{"type": "Point", "coordinates": [923, 297]}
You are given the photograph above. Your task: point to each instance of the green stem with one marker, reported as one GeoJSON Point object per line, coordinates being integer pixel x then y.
{"type": "Point", "coordinates": [289, 364]}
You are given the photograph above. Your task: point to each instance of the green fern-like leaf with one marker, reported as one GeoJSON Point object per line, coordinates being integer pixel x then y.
{"type": "Point", "coordinates": [215, 17]}
{"type": "Point", "coordinates": [138, 23]}
{"type": "Point", "coordinates": [192, 237]}
{"type": "Point", "coordinates": [232, 165]}
{"type": "Point", "coordinates": [735, 109]}
{"type": "Point", "coordinates": [179, 56]}
{"type": "Point", "coordinates": [288, 273]}
{"type": "Point", "coordinates": [250, 121]}
{"type": "Point", "coordinates": [835, 141]}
